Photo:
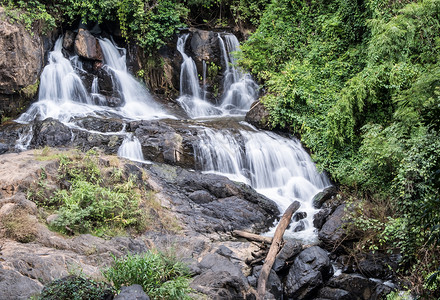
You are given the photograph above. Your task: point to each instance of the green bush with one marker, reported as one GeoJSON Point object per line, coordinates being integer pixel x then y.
{"type": "Point", "coordinates": [89, 201]}
{"type": "Point", "coordinates": [359, 81]}
{"type": "Point", "coordinates": [161, 276]}
{"type": "Point", "coordinates": [76, 288]}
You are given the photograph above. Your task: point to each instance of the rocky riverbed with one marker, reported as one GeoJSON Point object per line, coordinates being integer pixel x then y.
{"type": "Point", "coordinates": [206, 209]}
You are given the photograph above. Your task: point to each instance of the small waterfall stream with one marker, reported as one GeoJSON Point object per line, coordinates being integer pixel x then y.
{"type": "Point", "coordinates": [240, 91]}
{"type": "Point", "coordinates": [275, 166]}
{"type": "Point", "coordinates": [63, 96]}
{"type": "Point", "coordinates": [131, 148]}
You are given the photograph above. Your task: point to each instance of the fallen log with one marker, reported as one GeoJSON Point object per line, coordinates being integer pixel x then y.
{"type": "Point", "coordinates": [252, 236]}
{"type": "Point", "coordinates": [274, 248]}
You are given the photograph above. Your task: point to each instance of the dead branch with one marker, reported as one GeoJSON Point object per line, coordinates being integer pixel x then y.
{"type": "Point", "coordinates": [274, 248]}
{"type": "Point", "coordinates": [252, 236]}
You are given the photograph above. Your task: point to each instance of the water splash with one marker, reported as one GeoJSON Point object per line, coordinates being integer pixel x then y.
{"type": "Point", "coordinates": [24, 139]}
{"type": "Point", "coordinates": [276, 167]}
{"type": "Point", "coordinates": [63, 96]}
{"type": "Point", "coordinates": [131, 149]}
{"type": "Point", "coordinates": [240, 91]}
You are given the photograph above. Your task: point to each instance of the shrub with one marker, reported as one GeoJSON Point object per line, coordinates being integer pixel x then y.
{"type": "Point", "coordinates": [76, 288]}
{"type": "Point", "coordinates": [20, 226]}
{"type": "Point", "coordinates": [161, 276]}
{"type": "Point", "coordinates": [88, 200]}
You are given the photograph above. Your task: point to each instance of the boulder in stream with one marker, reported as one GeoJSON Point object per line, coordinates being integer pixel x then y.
{"type": "Point", "coordinates": [87, 46]}
{"type": "Point", "coordinates": [307, 274]}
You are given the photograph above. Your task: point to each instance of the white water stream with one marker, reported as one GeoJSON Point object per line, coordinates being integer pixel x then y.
{"type": "Point", "coordinates": [275, 166]}
{"type": "Point", "coordinates": [63, 96]}
{"type": "Point", "coordinates": [240, 91]}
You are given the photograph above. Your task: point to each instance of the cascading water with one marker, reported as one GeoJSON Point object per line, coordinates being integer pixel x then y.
{"type": "Point", "coordinates": [276, 167]}
{"type": "Point", "coordinates": [137, 102]}
{"type": "Point", "coordinates": [190, 93]}
{"type": "Point", "coordinates": [240, 91]}
{"type": "Point", "coordinates": [131, 148]}
{"type": "Point", "coordinates": [63, 96]}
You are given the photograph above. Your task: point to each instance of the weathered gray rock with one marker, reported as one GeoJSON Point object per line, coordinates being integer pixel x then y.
{"type": "Point", "coordinates": [357, 285]}
{"type": "Point", "coordinates": [323, 196]}
{"type": "Point", "coordinates": [220, 285]}
{"type": "Point", "coordinates": [377, 265]}
{"type": "Point", "coordinates": [320, 217]}
{"type": "Point", "coordinates": [273, 285]}
{"type": "Point", "coordinates": [3, 148]}
{"type": "Point", "coordinates": [299, 216]}
{"type": "Point", "coordinates": [132, 292]}
{"type": "Point", "coordinates": [285, 257]}
{"type": "Point", "coordinates": [204, 45]}
{"type": "Point", "coordinates": [334, 294]}
{"type": "Point", "coordinates": [236, 206]}
{"type": "Point", "coordinates": [51, 132]}
{"type": "Point", "coordinates": [101, 125]}
{"type": "Point", "coordinates": [166, 142]}
{"type": "Point", "coordinates": [300, 226]}
{"type": "Point", "coordinates": [332, 231]}
{"type": "Point", "coordinates": [258, 115]}
{"type": "Point", "coordinates": [220, 278]}
{"type": "Point", "coordinates": [68, 40]}
{"type": "Point", "coordinates": [307, 274]}
{"type": "Point", "coordinates": [21, 202]}
{"type": "Point", "coordinates": [87, 46]}
{"type": "Point", "coordinates": [200, 197]}
{"type": "Point", "coordinates": [14, 285]}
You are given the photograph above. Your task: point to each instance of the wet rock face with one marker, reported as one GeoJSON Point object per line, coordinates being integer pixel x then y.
{"type": "Point", "coordinates": [51, 133]}
{"type": "Point", "coordinates": [14, 285]}
{"type": "Point", "coordinates": [132, 292]}
{"type": "Point", "coordinates": [308, 273]}
{"type": "Point", "coordinates": [258, 115]}
{"type": "Point", "coordinates": [219, 204]}
{"type": "Point", "coordinates": [204, 45]}
{"type": "Point", "coordinates": [21, 62]}
{"type": "Point", "coordinates": [169, 142]}
{"type": "Point", "coordinates": [87, 46]}
{"type": "Point", "coordinates": [332, 232]}
{"type": "Point", "coordinates": [69, 40]}
{"type": "Point", "coordinates": [220, 278]}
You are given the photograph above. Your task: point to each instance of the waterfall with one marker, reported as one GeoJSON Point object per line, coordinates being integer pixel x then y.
{"type": "Point", "coordinates": [190, 92]}
{"type": "Point", "coordinates": [204, 92]}
{"type": "Point", "coordinates": [275, 166]}
{"type": "Point", "coordinates": [131, 149]}
{"type": "Point", "coordinates": [24, 139]}
{"type": "Point", "coordinates": [63, 96]}
{"type": "Point", "coordinates": [138, 104]}
{"type": "Point", "coordinates": [240, 90]}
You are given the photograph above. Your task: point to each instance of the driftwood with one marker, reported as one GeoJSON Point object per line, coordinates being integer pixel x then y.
{"type": "Point", "coordinates": [252, 236]}
{"type": "Point", "coordinates": [274, 248]}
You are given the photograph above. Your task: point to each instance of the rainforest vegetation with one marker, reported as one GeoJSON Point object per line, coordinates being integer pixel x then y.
{"type": "Point", "coordinates": [357, 80]}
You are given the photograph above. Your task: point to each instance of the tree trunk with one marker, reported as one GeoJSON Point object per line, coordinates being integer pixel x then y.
{"type": "Point", "coordinates": [274, 248]}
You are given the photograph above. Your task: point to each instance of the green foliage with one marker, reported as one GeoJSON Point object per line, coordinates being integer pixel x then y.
{"type": "Point", "coordinates": [88, 201]}
{"type": "Point", "coordinates": [161, 276]}
{"type": "Point", "coordinates": [360, 83]}
{"type": "Point", "coordinates": [30, 12]}
{"type": "Point", "coordinates": [76, 288]}
{"type": "Point", "coordinates": [150, 24]}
